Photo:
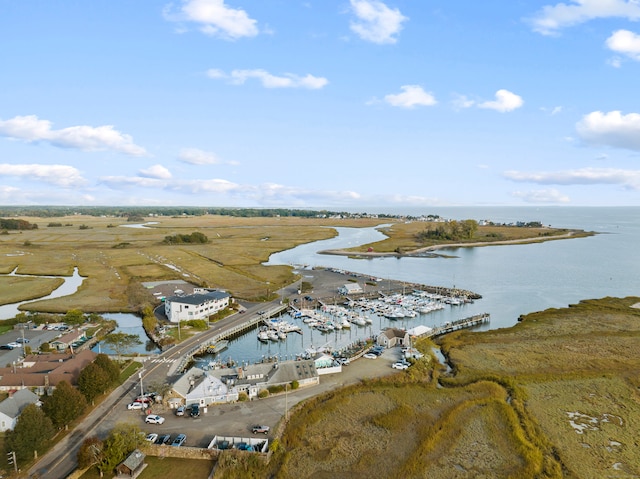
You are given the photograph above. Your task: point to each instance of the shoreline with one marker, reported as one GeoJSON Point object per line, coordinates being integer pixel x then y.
{"type": "Point", "coordinates": [430, 251]}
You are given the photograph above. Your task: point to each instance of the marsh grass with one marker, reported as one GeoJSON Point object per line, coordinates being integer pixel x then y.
{"type": "Point", "coordinates": [403, 237]}
{"type": "Point", "coordinates": [112, 257]}
{"type": "Point", "coordinates": [20, 288]}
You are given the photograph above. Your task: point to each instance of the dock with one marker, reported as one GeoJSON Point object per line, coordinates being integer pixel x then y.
{"type": "Point", "coordinates": [464, 323]}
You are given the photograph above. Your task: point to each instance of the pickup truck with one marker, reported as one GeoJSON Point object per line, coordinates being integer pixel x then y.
{"type": "Point", "coordinates": [260, 429]}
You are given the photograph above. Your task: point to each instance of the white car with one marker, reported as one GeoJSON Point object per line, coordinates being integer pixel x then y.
{"type": "Point", "coordinates": [152, 437]}
{"type": "Point", "coordinates": [399, 365]}
{"type": "Point", "coordinates": [15, 345]}
{"type": "Point", "coordinates": [370, 356]}
{"type": "Point", "coordinates": [135, 405]}
{"type": "Point", "coordinates": [154, 419]}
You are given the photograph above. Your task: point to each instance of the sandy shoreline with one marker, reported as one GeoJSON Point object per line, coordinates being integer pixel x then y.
{"type": "Point", "coordinates": [432, 249]}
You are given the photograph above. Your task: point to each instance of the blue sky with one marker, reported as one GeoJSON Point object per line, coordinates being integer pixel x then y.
{"type": "Point", "coordinates": [320, 103]}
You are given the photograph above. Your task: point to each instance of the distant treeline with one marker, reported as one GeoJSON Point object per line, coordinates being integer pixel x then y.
{"type": "Point", "coordinates": [450, 231]}
{"type": "Point", "coordinates": [139, 212]}
{"type": "Point", "coordinates": [14, 224]}
{"type": "Point", "coordinates": [193, 238]}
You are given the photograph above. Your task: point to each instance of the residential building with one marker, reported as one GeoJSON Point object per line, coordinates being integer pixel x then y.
{"type": "Point", "coordinates": [45, 371]}
{"type": "Point", "coordinates": [12, 406]}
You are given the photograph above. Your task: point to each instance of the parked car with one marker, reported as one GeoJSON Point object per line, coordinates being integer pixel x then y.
{"type": "Point", "coordinates": [6, 346]}
{"type": "Point", "coordinates": [154, 419]}
{"type": "Point", "coordinates": [260, 429]}
{"type": "Point", "coordinates": [343, 361]}
{"type": "Point", "coordinates": [22, 340]}
{"type": "Point", "coordinates": [399, 365]}
{"type": "Point", "coordinates": [180, 411]}
{"type": "Point", "coordinates": [15, 345]}
{"type": "Point", "coordinates": [152, 438]}
{"type": "Point", "coordinates": [370, 356]}
{"type": "Point", "coordinates": [164, 439]}
{"type": "Point", "coordinates": [135, 405]}
{"type": "Point", "coordinates": [179, 440]}
{"type": "Point", "coordinates": [195, 410]}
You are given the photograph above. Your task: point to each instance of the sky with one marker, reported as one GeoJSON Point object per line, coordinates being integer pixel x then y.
{"type": "Point", "coordinates": [320, 103]}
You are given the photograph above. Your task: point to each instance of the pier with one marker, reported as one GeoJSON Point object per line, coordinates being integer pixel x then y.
{"type": "Point", "coordinates": [249, 324]}
{"type": "Point", "coordinates": [458, 324]}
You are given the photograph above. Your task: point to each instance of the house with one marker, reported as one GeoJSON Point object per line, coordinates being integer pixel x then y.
{"type": "Point", "coordinates": [350, 288]}
{"type": "Point", "coordinates": [199, 305]}
{"type": "Point", "coordinates": [11, 407]}
{"type": "Point", "coordinates": [224, 385]}
{"type": "Point", "coordinates": [132, 466]}
{"type": "Point", "coordinates": [196, 386]}
{"type": "Point", "coordinates": [67, 340]}
{"type": "Point", "coordinates": [252, 378]}
{"type": "Point", "coordinates": [392, 337]}
{"type": "Point", "coordinates": [45, 370]}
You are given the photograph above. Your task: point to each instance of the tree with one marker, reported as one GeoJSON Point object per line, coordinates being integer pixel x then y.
{"type": "Point", "coordinates": [74, 317]}
{"type": "Point", "coordinates": [32, 433]}
{"type": "Point", "coordinates": [121, 342]}
{"type": "Point", "coordinates": [90, 452]}
{"type": "Point", "coordinates": [64, 405]}
{"type": "Point", "coordinates": [122, 440]}
{"type": "Point", "coordinates": [93, 381]}
{"type": "Point", "coordinates": [109, 367]}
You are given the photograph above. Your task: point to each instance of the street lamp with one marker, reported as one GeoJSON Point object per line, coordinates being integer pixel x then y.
{"type": "Point", "coordinates": [140, 377]}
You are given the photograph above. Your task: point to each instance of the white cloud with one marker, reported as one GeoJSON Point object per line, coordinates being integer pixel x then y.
{"type": "Point", "coordinates": [629, 179]}
{"type": "Point", "coordinates": [542, 196]}
{"type": "Point", "coordinates": [214, 18]}
{"type": "Point", "coordinates": [195, 156]}
{"type": "Point", "coordinates": [611, 129]}
{"type": "Point", "coordinates": [59, 175]}
{"type": "Point", "coordinates": [553, 18]}
{"type": "Point", "coordinates": [461, 101]}
{"type": "Point", "coordinates": [288, 80]}
{"type": "Point", "coordinates": [626, 43]}
{"type": "Point", "coordinates": [86, 138]}
{"type": "Point", "coordinates": [376, 22]}
{"type": "Point", "coordinates": [411, 96]}
{"type": "Point", "coordinates": [505, 101]}
{"type": "Point", "coordinates": [156, 171]}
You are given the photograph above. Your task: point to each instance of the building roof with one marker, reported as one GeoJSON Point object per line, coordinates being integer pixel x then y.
{"type": "Point", "coordinates": [46, 369]}
{"type": "Point", "coordinates": [14, 404]}
{"type": "Point", "coordinates": [394, 333]}
{"type": "Point", "coordinates": [198, 298]}
{"type": "Point", "coordinates": [134, 460]}
{"type": "Point", "coordinates": [69, 337]}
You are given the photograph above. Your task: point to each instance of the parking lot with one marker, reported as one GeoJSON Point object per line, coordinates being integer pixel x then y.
{"type": "Point", "coordinates": [237, 419]}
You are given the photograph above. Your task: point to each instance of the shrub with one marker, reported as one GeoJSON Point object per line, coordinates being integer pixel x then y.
{"type": "Point", "coordinates": [263, 394]}
{"type": "Point", "coordinates": [243, 396]}
{"type": "Point", "coordinates": [295, 384]}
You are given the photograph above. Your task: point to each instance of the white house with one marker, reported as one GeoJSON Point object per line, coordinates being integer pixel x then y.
{"type": "Point", "coordinates": [199, 305]}
{"type": "Point", "coordinates": [198, 387]}
{"type": "Point", "coordinates": [11, 408]}
{"type": "Point", "coordinates": [350, 288]}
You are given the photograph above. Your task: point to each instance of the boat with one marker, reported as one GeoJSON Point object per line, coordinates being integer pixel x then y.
{"type": "Point", "coordinates": [219, 346]}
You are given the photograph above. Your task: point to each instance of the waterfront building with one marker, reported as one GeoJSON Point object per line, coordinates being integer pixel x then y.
{"type": "Point", "coordinates": [199, 305]}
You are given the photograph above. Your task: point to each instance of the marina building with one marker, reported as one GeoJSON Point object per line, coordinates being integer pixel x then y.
{"type": "Point", "coordinates": [199, 305]}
